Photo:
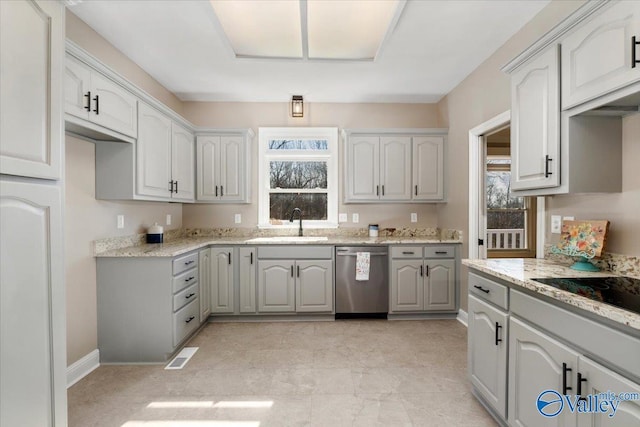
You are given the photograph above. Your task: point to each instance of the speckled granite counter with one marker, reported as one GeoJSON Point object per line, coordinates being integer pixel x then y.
{"type": "Point", "coordinates": [520, 272]}
{"type": "Point", "coordinates": [187, 244]}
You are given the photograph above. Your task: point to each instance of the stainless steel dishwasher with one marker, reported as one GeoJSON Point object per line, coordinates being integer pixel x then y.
{"type": "Point", "coordinates": [359, 298]}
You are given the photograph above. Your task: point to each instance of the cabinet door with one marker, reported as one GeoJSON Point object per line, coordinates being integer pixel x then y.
{"type": "Point", "coordinates": [77, 79]}
{"type": "Point", "coordinates": [276, 291]}
{"type": "Point", "coordinates": [204, 265]}
{"type": "Point", "coordinates": [407, 285]}
{"type": "Point", "coordinates": [488, 355]}
{"type": "Point", "coordinates": [112, 106]}
{"type": "Point", "coordinates": [247, 280]}
{"type": "Point", "coordinates": [363, 170]}
{"type": "Point", "coordinates": [599, 379]}
{"type": "Point", "coordinates": [535, 365]}
{"type": "Point", "coordinates": [535, 123]}
{"type": "Point", "coordinates": [428, 168]}
{"type": "Point", "coordinates": [222, 280]}
{"type": "Point", "coordinates": [182, 163]}
{"type": "Point", "coordinates": [232, 171]}
{"type": "Point", "coordinates": [440, 285]}
{"type": "Point", "coordinates": [395, 168]}
{"type": "Point", "coordinates": [596, 58]}
{"type": "Point", "coordinates": [314, 286]}
{"type": "Point", "coordinates": [32, 306]}
{"type": "Point", "coordinates": [31, 116]}
{"type": "Point", "coordinates": [208, 167]}
{"type": "Point", "coordinates": [153, 152]}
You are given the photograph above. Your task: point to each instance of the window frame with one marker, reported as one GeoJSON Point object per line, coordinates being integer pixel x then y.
{"type": "Point", "coordinates": [330, 134]}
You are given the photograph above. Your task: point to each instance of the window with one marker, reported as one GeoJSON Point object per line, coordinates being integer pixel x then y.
{"type": "Point", "coordinates": [510, 220]}
{"type": "Point", "coordinates": [298, 168]}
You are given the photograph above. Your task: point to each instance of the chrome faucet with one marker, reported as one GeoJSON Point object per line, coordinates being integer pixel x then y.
{"type": "Point", "coordinates": [293, 212]}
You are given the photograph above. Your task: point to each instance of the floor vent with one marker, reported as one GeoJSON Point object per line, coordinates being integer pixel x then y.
{"type": "Point", "coordinates": [182, 358]}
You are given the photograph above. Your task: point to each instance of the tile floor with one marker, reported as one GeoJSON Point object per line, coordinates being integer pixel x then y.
{"type": "Point", "coordinates": [343, 373]}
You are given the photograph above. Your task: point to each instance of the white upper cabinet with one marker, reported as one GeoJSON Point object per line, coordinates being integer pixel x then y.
{"type": "Point", "coordinates": [598, 57]}
{"type": "Point", "coordinates": [428, 168]}
{"type": "Point", "coordinates": [535, 123]}
{"type": "Point", "coordinates": [182, 163]}
{"type": "Point", "coordinates": [222, 168]}
{"type": "Point", "coordinates": [31, 55]}
{"type": "Point", "coordinates": [153, 155]}
{"type": "Point", "coordinates": [93, 97]}
{"type": "Point", "coordinates": [363, 172]}
{"type": "Point", "coordinates": [395, 170]}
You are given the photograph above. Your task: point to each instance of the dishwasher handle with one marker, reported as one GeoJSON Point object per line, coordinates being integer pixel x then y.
{"type": "Point", "coordinates": [354, 254]}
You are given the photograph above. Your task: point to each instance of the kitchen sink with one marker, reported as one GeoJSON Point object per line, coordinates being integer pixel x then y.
{"type": "Point", "coordinates": [289, 239]}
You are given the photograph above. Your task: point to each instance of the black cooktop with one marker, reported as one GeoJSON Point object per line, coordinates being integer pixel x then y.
{"type": "Point", "coordinates": [623, 292]}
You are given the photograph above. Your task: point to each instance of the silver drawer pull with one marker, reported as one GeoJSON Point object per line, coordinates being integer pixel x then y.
{"type": "Point", "coordinates": [441, 252]}
{"type": "Point", "coordinates": [189, 279]}
{"type": "Point", "coordinates": [189, 296]}
{"type": "Point", "coordinates": [189, 262]}
{"type": "Point", "coordinates": [189, 319]}
{"type": "Point", "coordinates": [486, 291]}
{"type": "Point", "coordinates": [408, 253]}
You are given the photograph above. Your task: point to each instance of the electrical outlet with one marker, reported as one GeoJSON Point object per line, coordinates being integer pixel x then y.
{"type": "Point", "coordinates": [556, 224]}
{"type": "Point", "coordinates": [343, 217]}
{"type": "Point", "coordinates": [168, 219]}
{"type": "Point", "coordinates": [568, 218]}
{"type": "Point", "coordinates": [414, 217]}
{"type": "Point", "coordinates": [120, 221]}
{"type": "Point", "coordinates": [238, 218]}
{"type": "Point", "coordinates": [355, 218]}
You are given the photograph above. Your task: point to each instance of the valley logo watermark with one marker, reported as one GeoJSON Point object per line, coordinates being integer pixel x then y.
{"type": "Point", "coordinates": [550, 403]}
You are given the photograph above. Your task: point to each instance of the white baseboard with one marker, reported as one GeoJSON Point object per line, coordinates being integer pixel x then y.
{"type": "Point", "coordinates": [463, 317]}
{"type": "Point", "coordinates": [83, 367]}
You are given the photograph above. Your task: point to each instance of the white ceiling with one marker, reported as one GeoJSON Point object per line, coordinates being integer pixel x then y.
{"type": "Point", "coordinates": [434, 46]}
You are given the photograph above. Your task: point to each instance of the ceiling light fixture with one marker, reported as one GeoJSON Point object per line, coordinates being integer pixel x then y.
{"type": "Point", "coordinates": [297, 106]}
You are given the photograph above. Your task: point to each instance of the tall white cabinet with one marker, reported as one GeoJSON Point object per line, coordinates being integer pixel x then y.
{"type": "Point", "coordinates": [32, 300]}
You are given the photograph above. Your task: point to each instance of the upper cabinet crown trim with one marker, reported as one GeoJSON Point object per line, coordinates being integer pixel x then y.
{"type": "Point", "coordinates": [397, 131]}
{"type": "Point", "coordinates": [556, 33]}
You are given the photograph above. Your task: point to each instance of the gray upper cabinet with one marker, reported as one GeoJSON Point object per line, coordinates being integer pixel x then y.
{"type": "Point", "coordinates": [92, 97]}
{"type": "Point", "coordinates": [428, 168]}
{"type": "Point", "coordinates": [153, 154]}
{"type": "Point", "coordinates": [223, 167]}
{"type": "Point", "coordinates": [182, 163]}
{"type": "Point", "coordinates": [535, 123]}
{"type": "Point", "coordinates": [394, 166]}
{"type": "Point", "coordinates": [597, 57]}
{"type": "Point", "coordinates": [32, 52]}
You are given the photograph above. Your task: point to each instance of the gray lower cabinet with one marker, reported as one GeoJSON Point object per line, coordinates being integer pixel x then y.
{"type": "Point", "coordinates": [488, 352]}
{"type": "Point", "coordinates": [247, 279]}
{"type": "Point", "coordinates": [420, 281]}
{"type": "Point", "coordinates": [222, 283]}
{"type": "Point", "coordinates": [276, 286]}
{"type": "Point", "coordinates": [147, 307]}
{"type": "Point", "coordinates": [314, 286]}
{"type": "Point", "coordinates": [204, 265]}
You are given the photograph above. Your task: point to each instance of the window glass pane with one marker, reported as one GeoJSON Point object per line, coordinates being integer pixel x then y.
{"type": "Point", "coordinates": [505, 219]}
{"type": "Point", "coordinates": [291, 174]}
{"type": "Point", "coordinates": [498, 197]}
{"type": "Point", "coordinates": [499, 161]}
{"type": "Point", "coordinates": [298, 144]}
{"type": "Point", "coordinates": [313, 206]}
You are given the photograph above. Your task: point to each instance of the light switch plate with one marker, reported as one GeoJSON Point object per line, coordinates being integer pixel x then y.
{"type": "Point", "coordinates": [168, 219]}
{"type": "Point", "coordinates": [568, 218]}
{"type": "Point", "coordinates": [120, 221]}
{"type": "Point", "coordinates": [238, 218]}
{"type": "Point", "coordinates": [556, 224]}
{"type": "Point", "coordinates": [355, 218]}
{"type": "Point", "coordinates": [414, 217]}
{"type": "Point", "coordinates": [343, 217]}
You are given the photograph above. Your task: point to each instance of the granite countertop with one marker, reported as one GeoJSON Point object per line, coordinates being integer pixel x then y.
{"type": "Point", "coordinates": [520, 272]}
{"type": "Point", "coordinates": [187, 244]}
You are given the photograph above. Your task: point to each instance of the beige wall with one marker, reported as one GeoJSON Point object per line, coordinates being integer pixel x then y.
{"type": "Point", "coordinates": [255, 115]}
{"type": "Point", "coordinates": [88, 219]}
{"type": "Point", "coordinates": [85, 37]}
{"type": "Point", "coordinates": [622, 209]}
{"type": "Point", "coordinates": [481, 96]}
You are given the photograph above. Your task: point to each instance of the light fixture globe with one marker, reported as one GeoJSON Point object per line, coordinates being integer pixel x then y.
{"type": "Point", "coordinates": [297, 106]}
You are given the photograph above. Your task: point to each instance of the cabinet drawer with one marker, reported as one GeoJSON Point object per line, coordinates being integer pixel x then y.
{"type": "Point", "coordinates": [489, 290]}
{"type": "Point", "coordinates": [439, 252]}
{"type": "Point", "coordinates": [185, 279]}
{"type": "Point", "coordinates": [185, 296]}
{"type": "Point", "coordinates": [184, 263]}
{"type": "Point", "coordinates": [185, 321]}
{"type": "Point", "coordinates": [406, 252]}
